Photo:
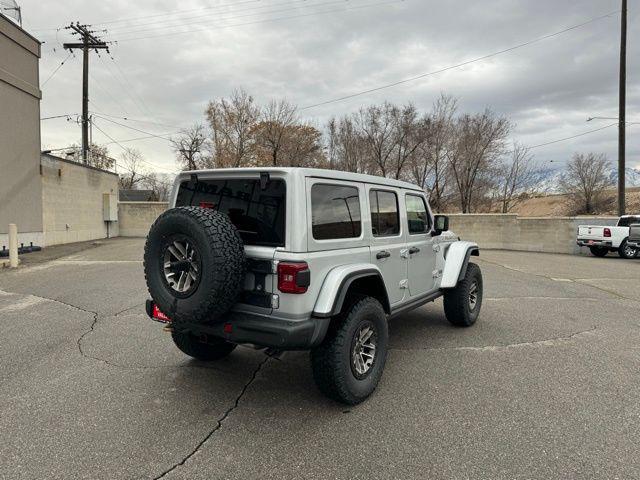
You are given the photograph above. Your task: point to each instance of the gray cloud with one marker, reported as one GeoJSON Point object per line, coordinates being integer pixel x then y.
{"type": "Point", "coordinates": [548, 89]}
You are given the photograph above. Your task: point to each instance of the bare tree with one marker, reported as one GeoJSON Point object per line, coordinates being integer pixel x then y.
{"type": "Point", "coordinates": [189, 147]}
{"type": "Point", "coordinates": [159, 184]}
{"type": "Point", "coordinates": [98, 156]}
{"type": "Point", "coordinates": [434, 150]}
{"type": "Point", "coordinates": [478, 143]}
{"type": "Point", "coordinates": [131, 163]}
{"type": "Point", "coordinates": [231, 121]}
{"type": "Point", "coordinates": [347, 147]}
{"type": "Point", "coordinates": [586, 181]}
{"type": "Point", "coordinates": [272, 133]}
{"type": "Point", "coordinates": [410, 136]}
{"type": "Point", "coordinates": [516, 178]}
{"type": "Point", "coordinates": [377, 124]}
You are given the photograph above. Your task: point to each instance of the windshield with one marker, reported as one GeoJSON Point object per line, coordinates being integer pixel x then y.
{"type": "Point", "coordinates": [259, 215]}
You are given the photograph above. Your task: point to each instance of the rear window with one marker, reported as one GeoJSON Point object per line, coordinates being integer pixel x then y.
{"type": "Point", "coordinates": [335, 212]}
{"type": "Point", "coordinates": [259, 215]}
{"type": "Point", "coordinates": [626, 221]}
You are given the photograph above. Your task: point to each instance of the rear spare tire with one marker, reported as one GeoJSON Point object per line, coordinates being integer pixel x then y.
{"type": "Point", "coordinates": [194, 264]}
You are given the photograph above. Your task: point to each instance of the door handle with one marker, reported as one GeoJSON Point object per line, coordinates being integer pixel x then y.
{"type": "Point", "coordinates": [382, 254]}
{"type": "Point", "coordinates": [413, 250]}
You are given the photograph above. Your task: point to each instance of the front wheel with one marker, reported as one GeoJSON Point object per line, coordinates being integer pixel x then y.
{"type": "Point", "coordinates": [462, 303]}
{"type": "Point", "coordinates": [347, 366]}
{"type": "Point", "coordinates": [626, 250]}
{"type": "Point", "coordinates": [206, 350]}
{"type": "Point", "coordinates": [599, 251]}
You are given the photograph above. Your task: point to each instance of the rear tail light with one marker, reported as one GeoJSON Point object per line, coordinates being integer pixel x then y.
{"type": "Point", "coordinates": [607, 232]}
{"type": "Point", "coordinates": [293, 277]}
{"type": "Point", "coordinates": [207, 205]}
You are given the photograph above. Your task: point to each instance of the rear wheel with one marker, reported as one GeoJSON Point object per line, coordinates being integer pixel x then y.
{"type": "Point", "coordinates": [205, 349]}
{"type": "Point", "coordinates": [599, 251]}
{"type": "Point", "coordinates": [347, 366]}
{"type": "Point", "coordinates": [462, 303]}
{"type": "Point", "coordinates": [626, 250]}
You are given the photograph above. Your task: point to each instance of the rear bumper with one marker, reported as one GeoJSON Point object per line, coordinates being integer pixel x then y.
{"type": "Point", "coordinates": [594, 243]}
{"type": "Point", "coordinates": [265, 331]}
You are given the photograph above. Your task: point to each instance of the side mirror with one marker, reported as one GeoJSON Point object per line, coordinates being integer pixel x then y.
{"type": "Point", "coordinates": [440, 224]}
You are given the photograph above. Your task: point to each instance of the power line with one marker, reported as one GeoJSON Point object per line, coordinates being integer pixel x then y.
{"type": "Point", "coordinates": [198, 19]}
{"type": "Point", "coordinates": [174, 12]}
{"type": "Point", "coordinates": [571, 137]}
{"type": "Point", "coordinates": [133, 128]}
{"type": "Point", "coordinates": [51, 75]}
{"type": "Point", "coordinates": [458, 65]}
{"type": "Point", "coordinates": [137, 120]}
{"type": "Point", "coordinates": [66, 115]}
{"type": "Point", "coordinates": [193, 30]}
{"type": "Point", "coordinates": [126, 150]}
{"type": "Point", "coordinates": [126, 79]}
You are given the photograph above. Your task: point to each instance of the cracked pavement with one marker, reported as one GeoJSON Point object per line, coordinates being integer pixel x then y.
{"type": "Point", "coordinates": [545, 385]}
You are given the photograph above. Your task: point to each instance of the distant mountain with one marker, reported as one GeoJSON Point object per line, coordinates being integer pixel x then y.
{"type": "Point", "coordinates": [548, 180]}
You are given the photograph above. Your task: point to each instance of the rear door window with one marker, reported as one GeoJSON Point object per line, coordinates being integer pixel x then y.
{"type": "Point", "coordinates": [335, 212]}
{"type": "Point", "coordinates": [259, 215]}
{"type": "Point", "coordinates": [385, 220]}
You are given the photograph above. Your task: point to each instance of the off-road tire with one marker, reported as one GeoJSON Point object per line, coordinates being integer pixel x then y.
{"type": "Point", "coordinates": [213, 349]}
{"type": "Point", "coordinates": [622, 250]}
{"type": "Point", "coordinates": [599, 251]}
{"type": "Point", "coordinates": [331, 361]}
{"type": "Point", "coordinates": [222, 264]}
{"type": "Point", "coordinates": [457, 300]}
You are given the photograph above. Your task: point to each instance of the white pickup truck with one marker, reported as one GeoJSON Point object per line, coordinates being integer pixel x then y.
{"type": "Point", "coordinates": [602, 240]}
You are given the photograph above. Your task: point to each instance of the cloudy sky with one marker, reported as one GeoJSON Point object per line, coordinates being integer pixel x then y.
{"type": "Point", "coordinates": [171, 58]}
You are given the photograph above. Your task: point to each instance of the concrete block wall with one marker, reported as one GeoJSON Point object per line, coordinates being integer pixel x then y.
{"type": "Point", "coordinates": [72, 196]}
{"type": "Point", "coordinates": [135, 218]}
{"type": "Point", "coordinates": [531, 234]}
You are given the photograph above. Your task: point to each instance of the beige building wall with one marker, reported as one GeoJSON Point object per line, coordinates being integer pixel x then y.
{"type": "Point", "coordinates": [20, 184]}
{"type": "Point", "coordinates": [135, 218]}
{"type": "Point", "coordinates": [72, 196]}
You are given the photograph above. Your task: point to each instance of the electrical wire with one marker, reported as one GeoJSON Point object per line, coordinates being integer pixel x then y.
{"type": "Point", "coordinates": [57, 69]}
{"type": "Point", "coordinates": [132, 128]}
{"type": "Point", "coordinates": [458, 65]}
{"type": "Point", "coordinates": [126, 150]}
{"type": "Point", "coordinates": [571, 137]}
{"type": "Point", "coordinates": [324, 12]}
{"type": "Point", "coordinates": [199, 19]}
{"type": "Point", "coordinates": [137, 120]}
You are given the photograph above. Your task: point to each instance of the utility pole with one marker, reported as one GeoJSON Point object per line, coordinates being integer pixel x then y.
{"type": "Point", "coordinates": [622, 110]}
{"type": "Point", "coordinates": [88, 42]}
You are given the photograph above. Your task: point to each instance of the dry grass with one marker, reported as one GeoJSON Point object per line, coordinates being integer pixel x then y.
{"type": "Point", "coordinates": [558, 205]}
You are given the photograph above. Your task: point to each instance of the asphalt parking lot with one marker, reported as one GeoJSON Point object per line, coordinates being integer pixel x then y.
{"type": "Point", "coordinates": [546, 385]}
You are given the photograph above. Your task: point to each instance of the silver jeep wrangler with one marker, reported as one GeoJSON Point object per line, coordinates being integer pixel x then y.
{"type": "Point", "coordinates": [303, 259]}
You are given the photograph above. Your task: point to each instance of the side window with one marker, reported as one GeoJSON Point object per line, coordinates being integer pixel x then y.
{"type": "Point", "coordinates": [385, 220]}
{"type": "Point", "coordinates": [417, 215]}
{"type": "Point", "coordinates": [335, 212]}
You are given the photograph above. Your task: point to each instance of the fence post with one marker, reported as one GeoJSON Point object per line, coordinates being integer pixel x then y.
{"type": "Point", "coordinates": [13, 245]}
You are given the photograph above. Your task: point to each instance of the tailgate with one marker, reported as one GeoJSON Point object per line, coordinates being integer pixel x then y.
{"type": "Point", "coordinates": [590, 232]}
